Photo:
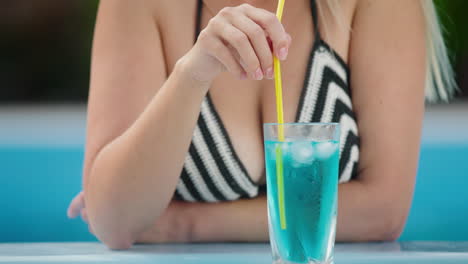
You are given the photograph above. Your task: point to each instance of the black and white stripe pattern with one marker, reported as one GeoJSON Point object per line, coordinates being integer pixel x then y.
{"type": "Point", "coordinates": [212, 171]}
{"type": "Point", "coordinates": [327, 98]}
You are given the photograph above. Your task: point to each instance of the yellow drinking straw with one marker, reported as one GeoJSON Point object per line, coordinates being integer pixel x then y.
{"type": "Point", "coordinates": [279, 112]}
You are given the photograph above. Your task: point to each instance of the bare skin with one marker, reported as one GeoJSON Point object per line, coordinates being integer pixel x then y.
{"type": "Point", "coordinates": [147, 84]}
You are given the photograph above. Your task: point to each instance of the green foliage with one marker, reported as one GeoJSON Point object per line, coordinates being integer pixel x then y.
{"type": "Point", "coordinates": [454, 19]}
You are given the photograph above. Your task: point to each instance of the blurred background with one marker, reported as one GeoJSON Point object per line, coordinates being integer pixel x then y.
{"type": "Point", "coordinates": [44, 73]}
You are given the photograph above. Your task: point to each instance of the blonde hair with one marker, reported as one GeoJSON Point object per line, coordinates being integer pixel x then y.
{"type": "Point", "coordinates": [440, 81]}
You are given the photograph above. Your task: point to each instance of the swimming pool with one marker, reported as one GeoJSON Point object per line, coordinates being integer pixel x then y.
{"type": "Point", "coordinates": [41, 154]}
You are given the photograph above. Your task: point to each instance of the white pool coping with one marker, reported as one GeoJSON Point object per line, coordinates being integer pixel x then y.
{"type": "Point", "coordinates": [65, 125]}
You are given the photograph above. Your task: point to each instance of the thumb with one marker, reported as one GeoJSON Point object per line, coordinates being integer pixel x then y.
{"type": "Point", "coordinates": [76, 205]}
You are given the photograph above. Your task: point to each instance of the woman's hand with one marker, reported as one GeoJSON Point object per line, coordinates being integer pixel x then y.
{"type": "Point", "coordinates": [77, 207]}
{"type": "Point", "coordinates": [174, 225]}
{"type": "Point", "coordinates": [239, 40]}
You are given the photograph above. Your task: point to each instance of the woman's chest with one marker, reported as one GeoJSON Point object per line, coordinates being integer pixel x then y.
{"type": "Point", "coordinates": [243, 106]}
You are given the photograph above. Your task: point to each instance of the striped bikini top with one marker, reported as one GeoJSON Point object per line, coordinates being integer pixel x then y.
{"type": "Point", "coordinates": [212, 170]}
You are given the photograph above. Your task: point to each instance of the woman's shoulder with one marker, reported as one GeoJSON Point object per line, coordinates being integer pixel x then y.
{"type": "Point", "coordinates": [387, 6]}
{"type": "Point", "coordinates": [174, 16]}
{"type": "Point", "coordinates": [175, 21]}
{"type": "Point", "coordinates": [170, 10]}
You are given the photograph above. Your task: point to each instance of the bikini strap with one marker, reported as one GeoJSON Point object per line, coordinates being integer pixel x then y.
{"type": "Point", "coordinates": [198, 19]}
{"type": "Point", "coordinates": [314, 10]}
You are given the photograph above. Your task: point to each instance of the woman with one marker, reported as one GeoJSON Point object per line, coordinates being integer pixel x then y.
{"type": "Point", "coordinates": [174, 143]}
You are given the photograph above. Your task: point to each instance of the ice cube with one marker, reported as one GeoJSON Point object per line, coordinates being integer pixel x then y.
{"type": "Point", "coordinates": [302, 152]}
{"type": "Point", "coordinates": [272, 148]}
{"type": "Point", "coordinates": [324, 150]}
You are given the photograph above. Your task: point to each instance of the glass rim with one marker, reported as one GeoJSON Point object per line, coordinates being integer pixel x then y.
{"type": "Point", "coordinates": [304, 124]}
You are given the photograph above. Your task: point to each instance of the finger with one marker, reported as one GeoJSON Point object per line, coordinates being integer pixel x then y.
{"type": "Point", "coordinates": [273, 26]}
{"type": "Point", "coordinates": [238, 59]}
{"type": "Point", "coordinates": [84, 215]}
{"type": "Point", "coordinates": [289, 40]}
{"type": "Point", "coordinates": [241, 43]}
{"type": "Point", "coordinates": [258, 40]}
{"type": "Point", "coordinates": [223, 54]}
{"type": "Point", "coordinates": [75, 206]}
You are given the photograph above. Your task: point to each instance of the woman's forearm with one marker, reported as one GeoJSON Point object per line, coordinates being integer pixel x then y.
{"type": "Point", "coordinates": [361, 217]}
{"type": "Point", "coordinates": [133, 178]}
{"type": "Point", "coordinates": [238, 221]}
{"type": "Point", "coordinates": [369, 212]}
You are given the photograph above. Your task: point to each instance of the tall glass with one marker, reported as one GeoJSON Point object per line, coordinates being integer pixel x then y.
{"type": "Point", "coordinates": [302, 184]}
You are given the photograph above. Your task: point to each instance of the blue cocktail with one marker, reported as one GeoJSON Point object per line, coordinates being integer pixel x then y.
{"type": "Point", "coordinates": [309, 163]}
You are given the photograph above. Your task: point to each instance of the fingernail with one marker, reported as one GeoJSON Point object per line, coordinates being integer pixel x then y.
{"type": "Point", "coordinates": [258, 75]}
{"type": "Point", "coordinates": [243, 76]}
{"type": "Point", "coordinates": [283, 53]}
{"type": "Point", "coordinates": [269, 73]}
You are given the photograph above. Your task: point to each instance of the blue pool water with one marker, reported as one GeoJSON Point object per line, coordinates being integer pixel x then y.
{"type": "Point", "coordinates": [440, 203]}
{"type": "Point", "coordinates": [37, 185]}
{"type": "Point", "coordinates": [38, 182]}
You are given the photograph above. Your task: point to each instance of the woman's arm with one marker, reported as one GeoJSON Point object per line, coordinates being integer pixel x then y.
{"type": "Point", "coordinates": [139, 124]}
{"type": "Point", "coordinates": [387, 61]}
{"type": "Point", "coordinates": [141, 121]}
{"type": "Point", "coordinates": [361, 217]}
